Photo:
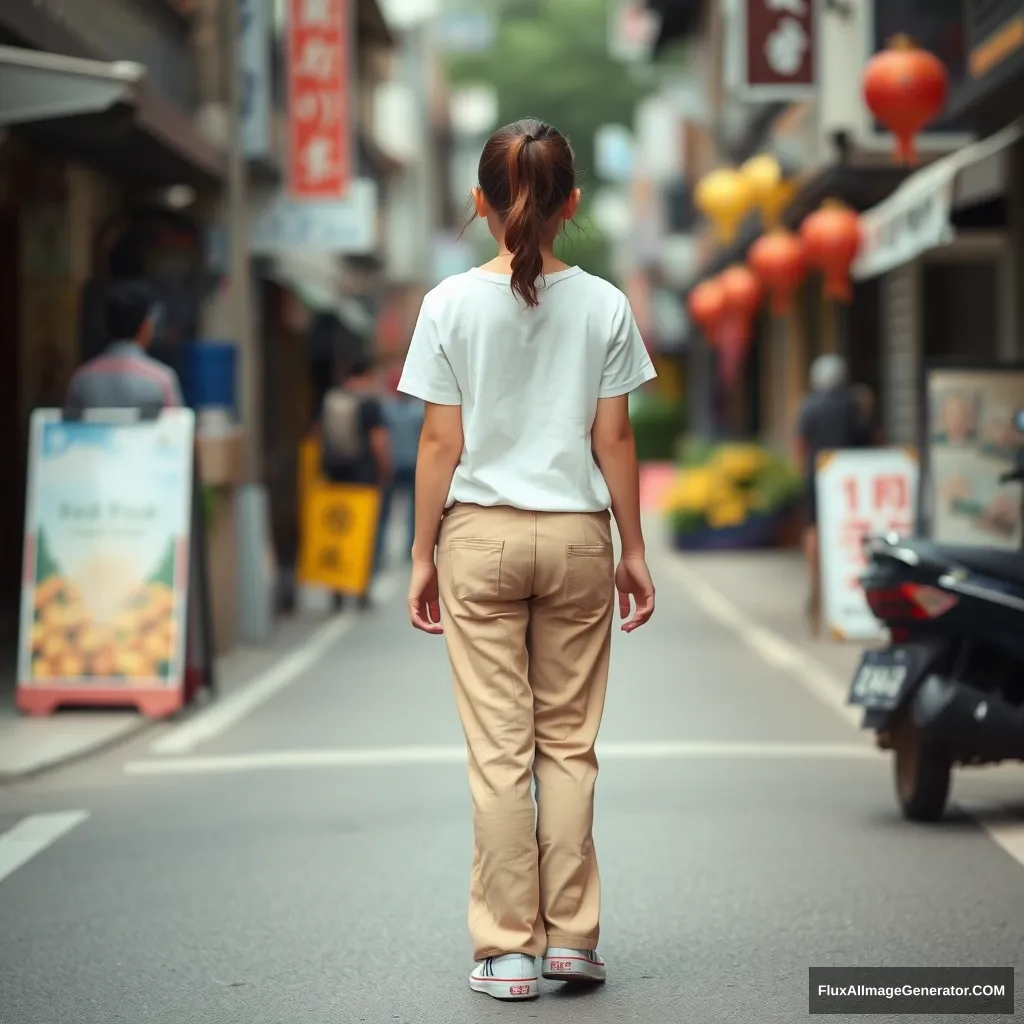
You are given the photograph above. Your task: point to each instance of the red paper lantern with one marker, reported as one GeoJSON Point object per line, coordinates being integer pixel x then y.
{"type": "Point", "coordinates": [832, 238]}
{"type": "Point", "coordinates": [742, 290]}
{"type": "Point", "coordinates": [743, 294]}
{"type": "Point", "coordinates": [707, 304]}
{"type": "Point", "coordinates": [779, 261]}
{"type": "Point", "coordinates": [905, 87]}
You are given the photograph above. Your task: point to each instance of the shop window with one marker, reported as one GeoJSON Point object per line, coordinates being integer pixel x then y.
{"type": "Point", "coordinates": [960, 309]}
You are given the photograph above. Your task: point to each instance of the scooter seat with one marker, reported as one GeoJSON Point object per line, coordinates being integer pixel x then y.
{"type": "Point", "coordinates": [1001, 565]}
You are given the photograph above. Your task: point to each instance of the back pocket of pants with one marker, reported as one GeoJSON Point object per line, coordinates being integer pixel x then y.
{"type": "Point", "coordinates": [475, 568]}
{"type": "Point", "coordinates": [588, 575]}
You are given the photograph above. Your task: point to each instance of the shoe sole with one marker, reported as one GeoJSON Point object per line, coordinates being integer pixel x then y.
{"type": "Point", "coordinates": [506, 989]}
{"type": "Point", "coordinates": [574, 970]}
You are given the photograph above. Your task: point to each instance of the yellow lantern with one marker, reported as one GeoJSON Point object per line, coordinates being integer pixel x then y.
{"type": "Point", "coordinates": [725, 197]}
{"type": "Point", "coordinates": [771, 192]}
{"type": "Point", "coordinates": [773, 205]}
{"type": "Point", "coordinates": [764, 174]}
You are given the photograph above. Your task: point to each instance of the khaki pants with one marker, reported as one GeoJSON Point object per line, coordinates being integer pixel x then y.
{"type": "Point", "coordinates": [528, 599]}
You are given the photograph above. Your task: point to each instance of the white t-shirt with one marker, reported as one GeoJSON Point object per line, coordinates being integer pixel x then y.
{"type": "Point", "coordinates": [528, 381]}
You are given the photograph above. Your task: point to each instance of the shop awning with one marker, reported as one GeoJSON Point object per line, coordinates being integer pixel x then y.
{"type": "Point", "coordinates": [917, 217]}
{"type": "Point", "coordinates": [104, 114]}
{"type": "Point", "coordinates": [314, 278]}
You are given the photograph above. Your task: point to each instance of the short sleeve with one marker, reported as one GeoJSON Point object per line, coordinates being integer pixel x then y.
{"type": "Point", "coordinates": [373, 414]}
{"type": "Point", "coordinates": [427, 374]}
{"type": "Point", "coordinates": [627, 364]}
{"type": "Point", "coordinates": [174, 396]}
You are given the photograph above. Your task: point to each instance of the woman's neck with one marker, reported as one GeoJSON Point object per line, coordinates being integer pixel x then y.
{"type": "Point", "coordinates": [502, 263]}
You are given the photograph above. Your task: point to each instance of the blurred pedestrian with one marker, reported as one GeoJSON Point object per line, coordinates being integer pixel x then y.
{"type": "Point", "coordinates": [124, 375]}
{"type": "Point", "coordinates": [354, 438]}
{"type": "Point", "coordinates": [526, 365]}
{"type": "Point", "coordinates": [868, 406]}
{"type": "Point", "coordinates": [832, 417]}
{"type": "Point", "coordinates": [404, 415]}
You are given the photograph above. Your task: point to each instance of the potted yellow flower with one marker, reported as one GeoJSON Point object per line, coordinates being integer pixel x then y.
{"type": "Point", "coordinates": [731, 496]}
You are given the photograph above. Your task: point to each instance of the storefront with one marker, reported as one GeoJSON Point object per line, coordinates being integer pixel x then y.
{"type": "Point", "coordinates": [940, 249]}
{"type": "Point", "coordinates": [85, 143]}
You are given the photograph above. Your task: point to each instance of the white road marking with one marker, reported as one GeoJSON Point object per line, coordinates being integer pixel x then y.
{"type": "Point", "coordinates": [822, 683]}
{"type": "Point", "coordinates": [404, 756]}
{"type": "Point", "coordinates": [32, 835]}
{"type": "Point", "coordinates": [769, 646]}
{"type": "Point", "coordinates": [228, 711]}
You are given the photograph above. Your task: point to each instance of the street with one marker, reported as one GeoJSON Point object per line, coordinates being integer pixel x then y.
{"type": "Point", "coordinates": [304, 857]}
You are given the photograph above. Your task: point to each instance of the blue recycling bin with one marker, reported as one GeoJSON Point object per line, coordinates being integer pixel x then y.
{"type": "Point", "coordinates": [208, 381]}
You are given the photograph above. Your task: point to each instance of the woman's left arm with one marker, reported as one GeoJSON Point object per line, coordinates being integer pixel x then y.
{"type": "Point", "coordinates": [440, 450]}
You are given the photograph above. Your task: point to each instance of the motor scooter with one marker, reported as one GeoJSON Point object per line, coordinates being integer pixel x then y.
{"type": "Point", "coordinates": [948, 689]}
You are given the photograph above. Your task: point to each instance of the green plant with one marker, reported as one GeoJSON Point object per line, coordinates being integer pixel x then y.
{"type": "Point", "coordinates": [657, 425]}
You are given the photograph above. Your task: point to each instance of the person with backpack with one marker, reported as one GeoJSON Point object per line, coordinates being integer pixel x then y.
{"type": "Point", "coordinates": [355, 445]}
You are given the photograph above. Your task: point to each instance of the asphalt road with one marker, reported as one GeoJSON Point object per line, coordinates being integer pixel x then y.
{"type": "Point", "coordinates": [308, 862]}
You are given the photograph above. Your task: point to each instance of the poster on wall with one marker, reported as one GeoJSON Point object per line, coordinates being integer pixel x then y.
{"type": "Point", "coordinates": [861, 493]}
{"type": "Point", "coordinates": [105, 584]}
{"type": "Point", "coordinates": [970, 440]}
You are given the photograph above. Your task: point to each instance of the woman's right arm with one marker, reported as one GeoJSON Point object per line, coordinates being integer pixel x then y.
{"type": "Point", "coordinates": [615, 453]}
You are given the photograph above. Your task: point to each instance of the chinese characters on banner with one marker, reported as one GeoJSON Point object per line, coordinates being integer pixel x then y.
{"type": "Point", "coordinates": [320, 129]}
{"type": "Point", "coordinates": [777, 56]}
{"type": "Point", "coordinates": [862, 492]}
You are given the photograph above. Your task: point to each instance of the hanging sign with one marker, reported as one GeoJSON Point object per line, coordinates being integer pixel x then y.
{"type": "Point", "coordinates": [861, 492]}
{"type": "Point", "coordinates": [320, 157]}
{"type": "Point", "coordinates": [777, 50]}
{"type": "Point", "coordinates": [254, 70]}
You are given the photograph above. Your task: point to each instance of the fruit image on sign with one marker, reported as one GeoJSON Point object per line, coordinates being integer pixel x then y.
{"type": "Point", "coordinates": [136, 643]}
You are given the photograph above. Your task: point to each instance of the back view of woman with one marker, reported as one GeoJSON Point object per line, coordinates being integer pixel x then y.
{"type": "Point", "coordinates": [525, 366]}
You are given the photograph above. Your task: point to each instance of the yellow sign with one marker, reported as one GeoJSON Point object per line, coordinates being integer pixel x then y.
{"type": "Point", "coordinates": [339, 531]}
{"type": "Point", "coordinates": [339, 528]}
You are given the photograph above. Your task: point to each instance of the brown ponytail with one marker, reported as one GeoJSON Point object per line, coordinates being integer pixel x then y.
{"type": "Point", "coordinates": [527, 174]}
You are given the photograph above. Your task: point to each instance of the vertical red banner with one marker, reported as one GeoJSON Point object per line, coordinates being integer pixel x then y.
{"type": "Point", "coordinates": [319, 98]}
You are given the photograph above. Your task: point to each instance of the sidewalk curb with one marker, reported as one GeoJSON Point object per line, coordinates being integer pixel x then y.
{"type": "Point", "coordinates": [99, 746]}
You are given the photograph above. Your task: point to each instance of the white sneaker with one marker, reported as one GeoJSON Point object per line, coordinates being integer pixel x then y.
{"type": "Point", "coordinates": [513, 976]}
{"type": "Point", "coordinates": [574, 965]}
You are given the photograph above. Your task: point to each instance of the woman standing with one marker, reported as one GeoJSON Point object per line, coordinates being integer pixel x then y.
{"type": "Point", "coordinates": [525, 366]}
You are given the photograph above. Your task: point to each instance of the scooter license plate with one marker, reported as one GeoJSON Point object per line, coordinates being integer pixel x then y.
{"type": "Point", "coordinates": [884, 676]}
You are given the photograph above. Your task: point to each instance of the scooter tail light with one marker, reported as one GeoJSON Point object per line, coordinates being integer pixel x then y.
{"type": "Point", "coordinates": [930, 602]}
{"type": "Point", "coordinates": [913, 601]}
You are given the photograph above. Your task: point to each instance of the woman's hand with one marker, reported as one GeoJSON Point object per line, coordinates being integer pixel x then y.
{"type": "Point", "coordinates": [424, 603]}
{"type": "Point", "coordinates": [633, 579]}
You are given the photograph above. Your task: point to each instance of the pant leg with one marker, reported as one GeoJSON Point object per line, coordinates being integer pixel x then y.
{"type": "Point", "coordinates": [570, 646]}
{"type": "Point", "coordinates": [409, 484]}
{"type": "Point", "coordinates": [485, 568]}
{"type": "Point", "coordinates": [387, 497]}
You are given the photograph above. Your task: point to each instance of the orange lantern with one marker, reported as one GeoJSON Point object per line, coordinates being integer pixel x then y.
{"type": "Point", "coordinates": [743, 295]}
{"type": "Point", "coordinates": [706, 305]}
{"type": "Point", "coordinates": [832, 238]}
{"type": "Point", "coordinates": [779, 261]}
{"type": "Point", "coordinates": [905, 87]}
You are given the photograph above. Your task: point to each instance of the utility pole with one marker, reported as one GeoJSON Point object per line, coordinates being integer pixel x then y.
{"type": "Point", "coordinates": [249, 368]}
